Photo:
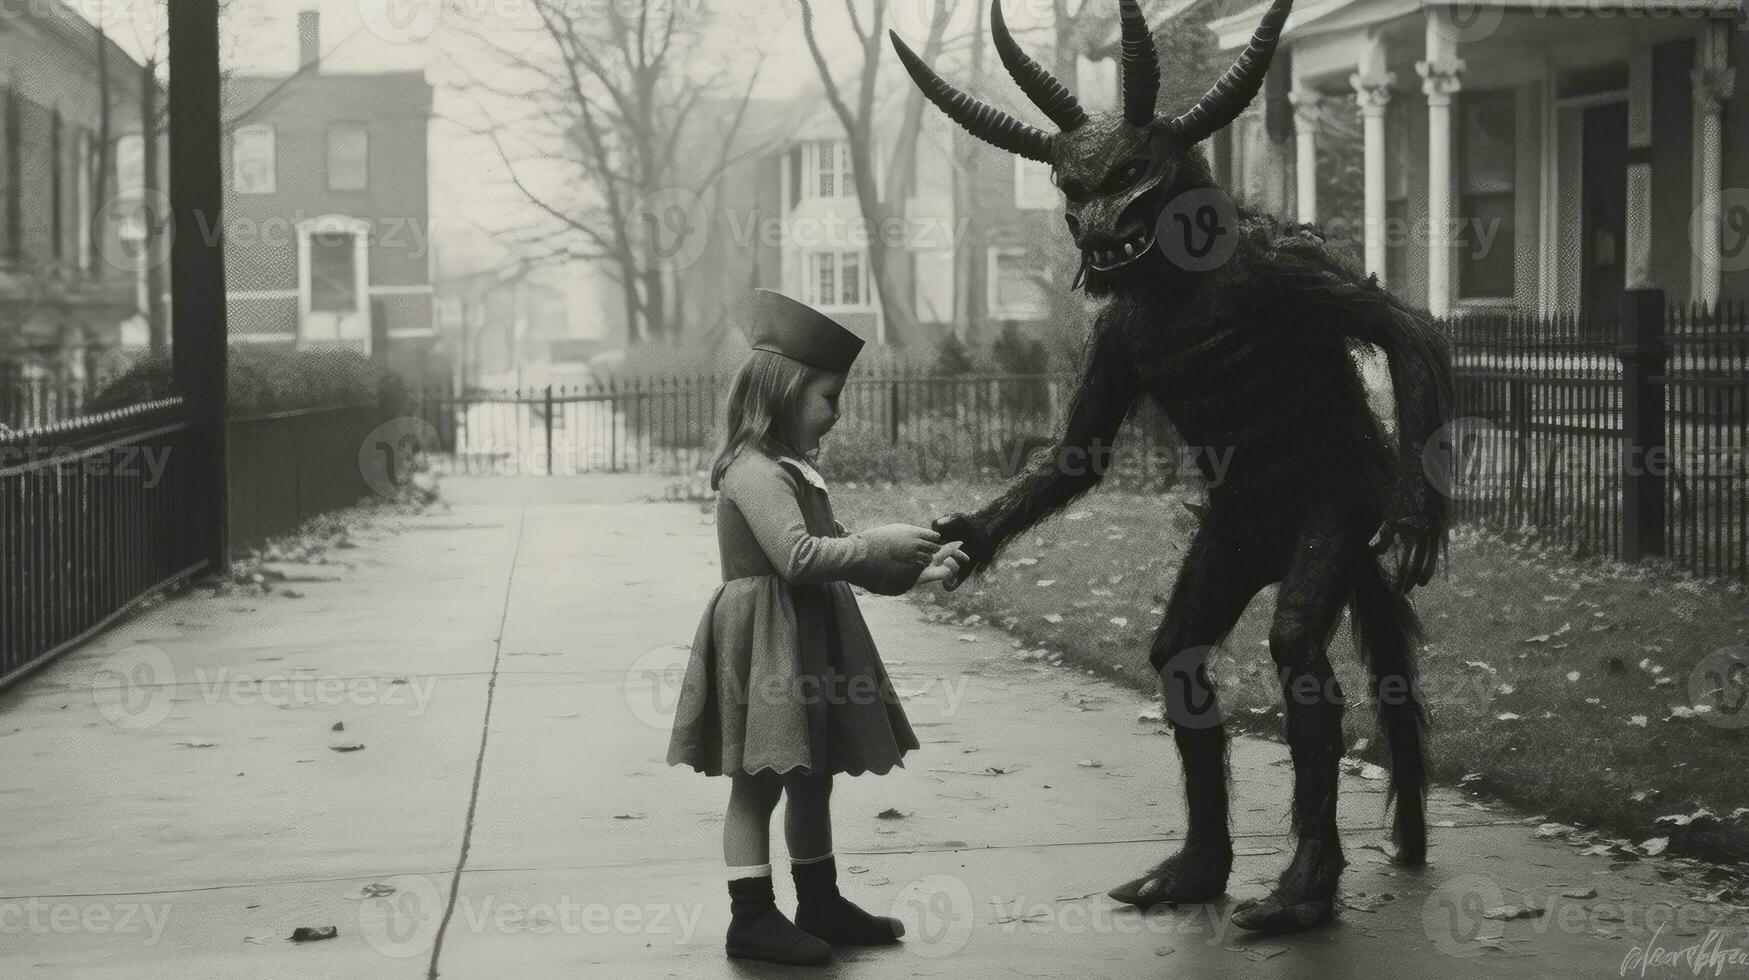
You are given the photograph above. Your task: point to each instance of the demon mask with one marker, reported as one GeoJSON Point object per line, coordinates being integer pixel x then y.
{"type": "Point", "coordinates": [1116, 170]}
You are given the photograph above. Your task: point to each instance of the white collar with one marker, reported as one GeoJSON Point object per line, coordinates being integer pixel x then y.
{"type": "Point", "coordinates": [807, 471]}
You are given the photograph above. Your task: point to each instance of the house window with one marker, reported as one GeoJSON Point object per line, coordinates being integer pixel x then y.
{"type": "Point", "coordinates": [826, 170]}
{"type": "Point", "coordinates": [348, 157]}
{"type": "Point", "coordinates": [1015, 293]}
{"type": "Point", "coordinates": [837, 279]}
{"type": "Point", "coordinates": [254, 164]}
{"type": "Point", "coordinates": [1486, 266]}
{"type": "Point", "coordinates": [333, 272]}
{"type": "Point", "coordinates": [1033, 190]}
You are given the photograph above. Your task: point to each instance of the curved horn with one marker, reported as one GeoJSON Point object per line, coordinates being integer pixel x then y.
{"type": "Point", "coordinates": [1239, 85]}
{"type": "Point", "coordinates": [987, 123]}
{"type": "Point", "coordinates": [1140, 67]}
{"type": "Point", "coordinates": [1039, 84]}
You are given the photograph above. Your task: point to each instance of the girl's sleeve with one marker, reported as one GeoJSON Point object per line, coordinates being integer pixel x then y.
{"type": "Point", "coordinates": [765, 494]}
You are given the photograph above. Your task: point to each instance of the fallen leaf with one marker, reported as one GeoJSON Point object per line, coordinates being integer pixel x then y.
{"type": "Point", "coordinates": [891, 813]}
{"type": "Point", "coordinates": [1506, 913]}
{"type": "Point", "coordinates": [307, 934]}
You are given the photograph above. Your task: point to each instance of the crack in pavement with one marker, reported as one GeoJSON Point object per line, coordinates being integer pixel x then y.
{"type": "Point", "coordinates": [455, 881]}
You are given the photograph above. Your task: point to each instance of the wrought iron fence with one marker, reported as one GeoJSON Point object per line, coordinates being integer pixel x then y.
{"type": "Point", "coordinates": [1543, 416]}
{"type": "Point", "coordinates": [895, 424]}
{"type": "Point", "coordinates": [1552, 439]}
{"type": "Point", "coordinates": [36, 402]}
{"type": "Point", "coordinates": [92, 518]}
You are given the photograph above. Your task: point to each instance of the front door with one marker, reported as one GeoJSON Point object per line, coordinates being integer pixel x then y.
{"type": "Point", "coordinates": [1604, 216]}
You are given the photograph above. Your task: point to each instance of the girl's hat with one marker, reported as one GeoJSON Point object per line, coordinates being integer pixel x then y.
{"type": "Point", "coordinates": [774, 322]}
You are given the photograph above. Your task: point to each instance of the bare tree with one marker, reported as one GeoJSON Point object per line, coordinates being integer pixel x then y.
{"type": "Point", "coordinates": [154, 123]}
{"type": "Point", "coordinates": [614, 109]}
{"type": "Point", "coordinates": [858, 116]}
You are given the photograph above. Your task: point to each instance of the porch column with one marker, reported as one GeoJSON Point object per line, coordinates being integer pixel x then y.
{"type": "Point", "coordinates": [1373, 92]}
{"type": "Point", "coordinates": [1441, 77]}
{"type": "Point", "coordinates": [1713, 80]}
{"type": "Point", "coordinates": [1639, 159]}
{"type": "Point", "coordinates": [1305, 103]}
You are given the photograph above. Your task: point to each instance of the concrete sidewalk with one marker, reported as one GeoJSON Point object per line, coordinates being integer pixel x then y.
{"type": "Point", "coordinates": [174, 804]}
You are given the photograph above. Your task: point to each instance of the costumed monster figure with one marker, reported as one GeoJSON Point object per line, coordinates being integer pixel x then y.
{"type": "Point", "coordinates": [1251, 356]}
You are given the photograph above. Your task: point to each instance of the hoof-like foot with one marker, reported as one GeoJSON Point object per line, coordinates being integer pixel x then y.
{"type": "Point", "coordinates": [1278, 913]}
{"type": "Point", "coordinates": [1304, 897]}
{"type": "Point", "coordinates": [1191, 875]}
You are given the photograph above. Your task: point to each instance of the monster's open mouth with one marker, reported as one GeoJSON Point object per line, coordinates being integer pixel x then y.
{"type": "Point", "coordinates": [1105, 260]}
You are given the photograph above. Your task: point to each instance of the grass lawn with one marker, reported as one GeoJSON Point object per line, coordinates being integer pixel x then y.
{"type": "Point", "coordinates": [1560, 686]}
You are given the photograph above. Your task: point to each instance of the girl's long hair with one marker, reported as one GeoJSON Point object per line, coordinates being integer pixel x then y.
{"type": "Point", "coordinates": [764, 405]}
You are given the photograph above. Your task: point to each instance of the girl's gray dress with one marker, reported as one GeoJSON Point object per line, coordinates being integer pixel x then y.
{"type": "Point", "coordinates": [784, 674]}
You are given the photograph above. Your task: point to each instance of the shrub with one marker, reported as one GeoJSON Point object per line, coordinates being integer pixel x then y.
{"type": "Point", "coordinates": [266, 379]}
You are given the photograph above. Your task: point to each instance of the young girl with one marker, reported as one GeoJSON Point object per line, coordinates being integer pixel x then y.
{"type": "Point", "coordinates": [784, 687]}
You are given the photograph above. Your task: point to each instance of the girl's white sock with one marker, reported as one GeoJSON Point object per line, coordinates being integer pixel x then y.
{"type": "Point", "coordinates": [813, 860]}
{"type": "Point", "coordinates": [750, 871]}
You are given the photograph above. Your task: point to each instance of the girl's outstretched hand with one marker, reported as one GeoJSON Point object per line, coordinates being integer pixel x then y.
{"type": "Point", "coordinates": [903, 543]}
{"type": "Point", "coordinates": [946, 565]}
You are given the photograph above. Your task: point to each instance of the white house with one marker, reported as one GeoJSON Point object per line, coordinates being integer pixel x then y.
{"type": "Point", "coordinates": [1525, 153]}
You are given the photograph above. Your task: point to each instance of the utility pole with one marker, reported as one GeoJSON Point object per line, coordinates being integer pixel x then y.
{"type": "Point", "coordinates": [197, 268]}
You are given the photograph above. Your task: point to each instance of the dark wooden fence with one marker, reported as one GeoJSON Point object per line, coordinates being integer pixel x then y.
{"type": "Point", "coordinates": [92, 517]}
{"type": "Point", "coordinates": [287, 467]}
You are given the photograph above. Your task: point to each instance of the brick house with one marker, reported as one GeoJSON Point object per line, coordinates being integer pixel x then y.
{"type": "Point", "coordinates": [327, 211]}
{"type": "Point", "coordinates": [67, 283]}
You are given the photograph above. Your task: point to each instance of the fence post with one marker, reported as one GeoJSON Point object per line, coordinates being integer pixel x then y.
{"type": "Point", "coordinates": [893, 412]}
{"type": "Point", "coordinates": [1645, 457]}
{"type": "Point", "coordinates": [549, 430]}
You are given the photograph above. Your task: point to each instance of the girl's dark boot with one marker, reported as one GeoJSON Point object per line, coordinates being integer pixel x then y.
{"type": "Point", "coordinates": [821, 911]}
{"type": "Point", "coordinates": [758, 931]}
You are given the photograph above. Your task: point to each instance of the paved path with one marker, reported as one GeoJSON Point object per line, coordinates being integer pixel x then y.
{"type": "Point", "coordinates": [173, 806]}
